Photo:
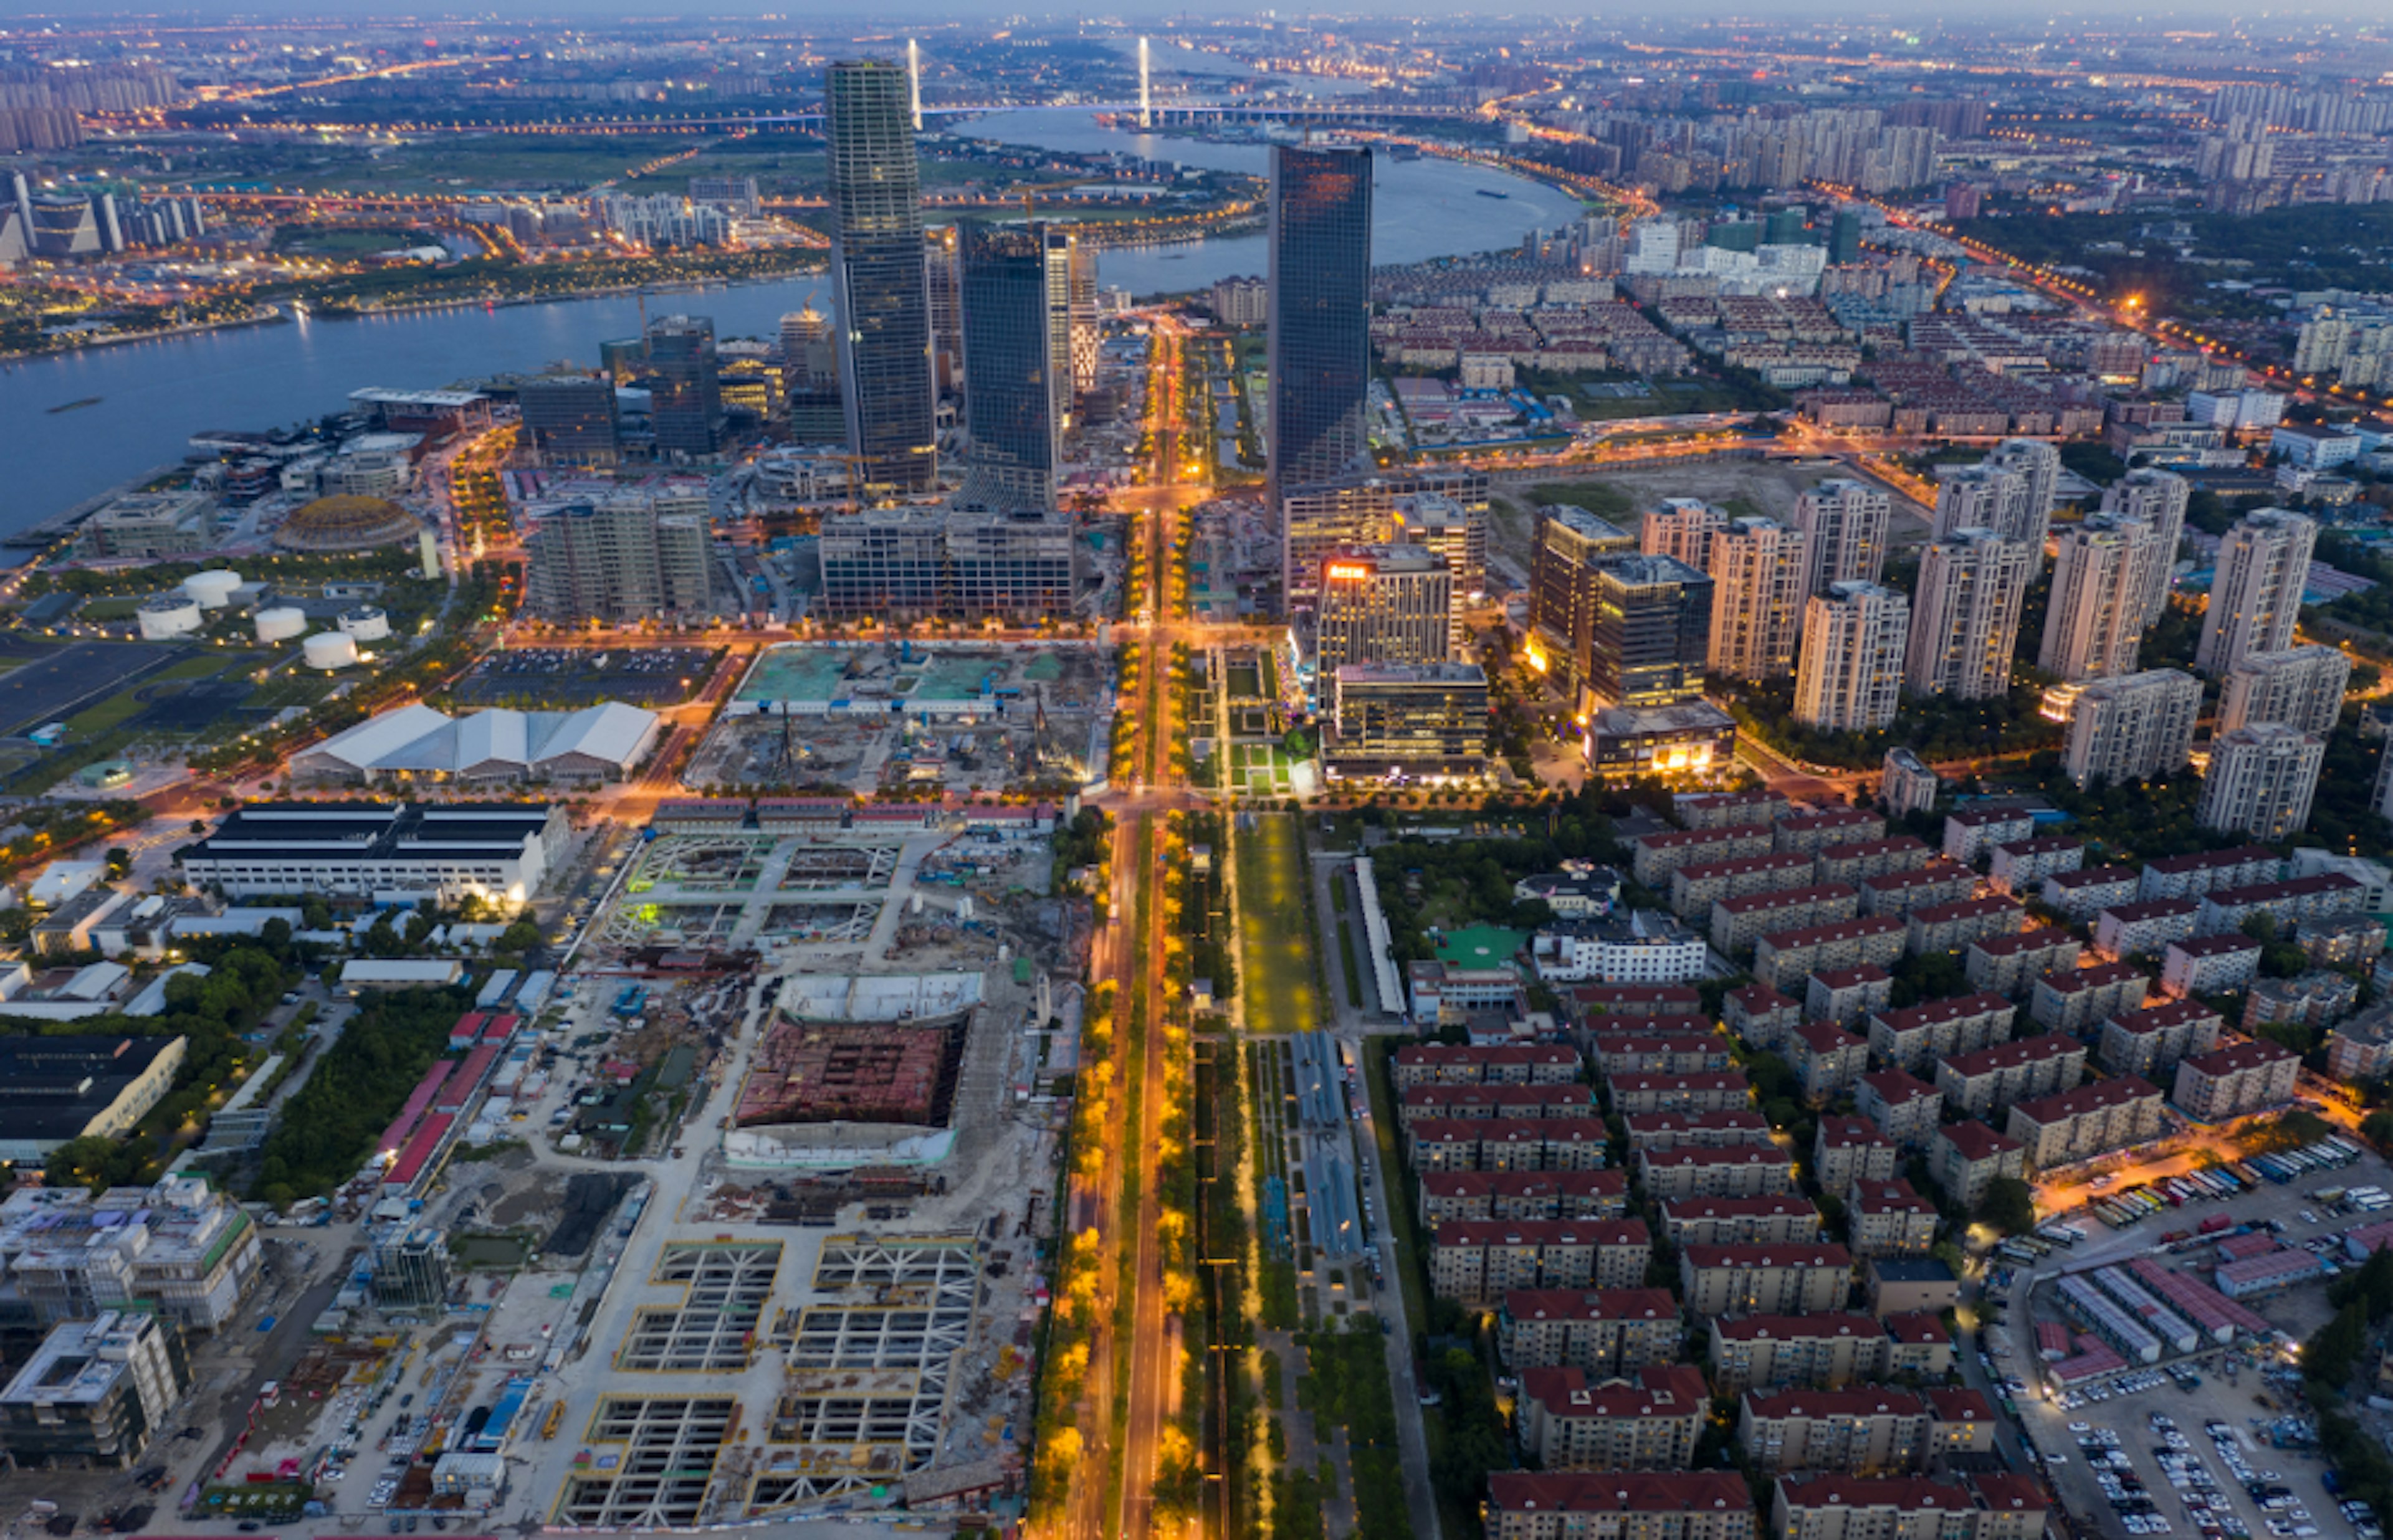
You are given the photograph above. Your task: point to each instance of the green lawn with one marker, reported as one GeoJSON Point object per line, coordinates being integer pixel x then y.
{"type": "Point", "coordinates": [114, 711]}
{"type": "Point", "coordinates": [1274, 942]}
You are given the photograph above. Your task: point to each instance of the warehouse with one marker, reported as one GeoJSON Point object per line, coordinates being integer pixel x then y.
{"type": "Point", "coordinates": [601, 743]}
{"type": "Point", "coordinates": [57, 1090]}
{"type": "Point", "coordinates": [394, 853]}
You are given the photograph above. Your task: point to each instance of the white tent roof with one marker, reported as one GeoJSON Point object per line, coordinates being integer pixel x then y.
{"type": "Point", "coordinates": [370, 744]}
{"type": "Point", "coordinates": [419, 738]}
{"type": "Point", "coordinates": [610, 731]}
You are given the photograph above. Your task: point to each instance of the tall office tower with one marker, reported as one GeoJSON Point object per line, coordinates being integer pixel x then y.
{"type": "Point", "coordinates": [1453, 529]}
{"type": "Point", "coordinates": [1760, 568]}
{"type": "Point", "coordinates": [1846, 522]}
{"type": "Point", "coordinates": [1061, 244]}
{"type": "Point", "coordinates": [686, 408]}
{"type": "Point", "coordinates": [2255, 594]}
{"type": "Point", "coordinates": [1568, 546]}
{"type": "Point", "coordinates": [2159, 497]}
{"type": "Point", "coordinates": [2095, 621]}
{"type": "Point", "coordinates": [569, 419]}
{"type": "Point", "coordinates": [2260, 782]}
{"type": "Point", "coordinates": [958, 563]}
{"type": "Point", "coordinates": [2038, 464]}
{"type": "Point", "coordinates": [1682, 528]}
{"type": "Point", "coordinates": [2132, 727]}
{"type": "Point", "coordinates": [1087, 332]}
{"type": "Point", "coordinates": [1981, 497]}
{"type": "Point", "coordinates": [1319, 350]}
{"type": "Point", "coordinates": [1849, 678]}
{"type": "Point", "coordinates": [878, 275]}
{"type": "Point", "coordinates": [1357, 512]}
{"type": "Point", "coordinates": [1965, 618]}
{"type": "Point", "coordinates": [2300, 686]}
{"type": "Point", "coordinates": [810, 378]}
{"type": "Point", "coordinates": [1013, 374]}
{"type": "Point", "coordinates": [943, 282]}
{"type": "Point", "coordinates": [1650, 627]}
{"type": "Point", "coordinates": [1384, 604]}
{"type": "Point", "coordinates": [632, 556]}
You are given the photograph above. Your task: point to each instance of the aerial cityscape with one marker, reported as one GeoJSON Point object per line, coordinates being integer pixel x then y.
{"type": "Point", "coordinates": [1243, 776]}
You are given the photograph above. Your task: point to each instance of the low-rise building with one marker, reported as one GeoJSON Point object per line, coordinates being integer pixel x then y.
{"type": "Point", "coordinates": [1894, 1508]}
{"type": "Point", "coordinates": [2021, 867]}
{"type": "Point", "coordinates": [1809, 833]}
{"type": "Point", "coordinates": [1670, 1131]}
{"type": "Point", "coordinates": [2235, 1081]}
{"type": "Point", "coordinates": [1657, 855]}
{"type": "Point", "coordinates": [1965, 1158]}
{"type": "Point", "coordinates": [1846, 1150]}
{"type": "Point", "coordinates": [1648, 1419]}
{"type": "Point", "coordinates": [1613, 1050]}
{"type": "Point", "coordinates": [1508, 1145]}
{"type": "Point", "coordinates": [1645, 947]}
{"type": "Point", "coordinates": [1863, 859]}
{"type": "Point", "coordinates": [1909, 1285]}
{"type": "Point", "coordinates": [1889, 1219]}
{"type": "Point", "coordinates": [2342, 940]}
{"type": "Point", "coordinates": [1909, 784]}
{"type": "Point", "coordinates": [1760, 1016]}
{"type": "Point", "coordinates": [1729, 809]}
{"type": "Point", "coordinates": [1604, 1331]}
{"type": "Point", "coordinates": [2316, 999]}
{"type": "Point", "coordinates": [1827, 1350]}
{"type": "Point", "coordinates": [179, 1248]}
{"type": "Point", "coordinates": [2142, 928]}
{"type": "Point", "coordinates": [1768, 1280]}
{"type": "Point", "coordinates": [2288, 903]}
{"type": "Point", "coordinates": [1695, 888]}
{"type": "Point", "coordinates": [1710, 1092]}
{"type": "Point", "coordinates": [1950, 927]}
{"type": "Point", "coordinates": [1902, 892]}
{"type": "Point", "coordinates": [1904, 1107]}
{"type": "Point", "coordinates": [1919, 1345]}
{"type": "Point", "coordinates": [1847, 995]}
{"type": "Point", "coordinates": [1864, 1431]}
{"type": "Point", "coordinates": [1915, 1037]}
{"type": "Point", "coordinates": [1785, 960]}
{"type": "Point", "coordinates": [2361, 1047]}
{"type": "Point", "coordinates": [1736, 924]}
{"type": "Point", "coordinates": [2209, 964]}
{"type": "Point", "coordinates": [1827, 1060]}
{"type": "Point", "coordinates": [2150, 1041]}
{"type": "Point", "coordinates": [2092, 1121]}
{"type": "Point", "coordinates": [1562, 1505]}
{"type": "Point", "coordinates": [1491, 1063]}
{"type": "Point", "coordinates": [1480, 1263]}
{"type": "Point", "coordinates": [1503, 1195]}
{"type": "Point", "coordinates": [1985, 1084]}
{"type": "Point", "coordinates": [1423, 1102]}
{"type": "Point", "coordinates": [2204, 871]}
{"type": "Point", "coordinates": [1738, 1171]}
{"type": "Point", "coordinates": [2078, 1001]}
{"type": "Point", "coordinates": [1776, 1219]}
{"type": "Point", "coordinates": [2083, 893]}
{"type": "Point", "coordinates": [1975, 832]}
{"type": "Point", "coordinates": [2011, 964]}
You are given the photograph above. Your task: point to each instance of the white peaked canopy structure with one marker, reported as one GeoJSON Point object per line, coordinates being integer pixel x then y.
{"type": "Point", "coordinates": [597, 742]}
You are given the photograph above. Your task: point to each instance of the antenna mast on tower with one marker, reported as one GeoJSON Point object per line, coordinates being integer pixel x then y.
{"type": "Point", "coordinates": [1145, 99]}
{"type": "Point", "coordinates": [914, 80]}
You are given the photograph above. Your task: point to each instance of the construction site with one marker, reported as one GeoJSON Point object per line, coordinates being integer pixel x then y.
{"type": "Point", "coordinates": [904, 716]}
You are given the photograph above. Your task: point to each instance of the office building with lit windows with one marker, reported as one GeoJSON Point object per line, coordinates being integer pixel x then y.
{"type": "Point", "coordinates": [1319, 358]}
{"type": "Point", "coordinates": [878, 275]}
{"type": "Point", "coordinates": [1016, 385]}
{"type": "Point", "coordinates": [1384, 604]}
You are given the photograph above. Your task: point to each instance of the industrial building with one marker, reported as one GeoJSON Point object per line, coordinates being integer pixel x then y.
{"type": "Point", "coordinates": [601, 743]}
{"type": "Point", "coordinates": [388, 851]}
{"type": "Point", "coordinates": [54, 1091]}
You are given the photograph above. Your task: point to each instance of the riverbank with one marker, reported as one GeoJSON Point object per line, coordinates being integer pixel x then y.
{"type": "Point", "coordinates": [602, 291]}
{"type": "Point", "coordinates": [265, 315]}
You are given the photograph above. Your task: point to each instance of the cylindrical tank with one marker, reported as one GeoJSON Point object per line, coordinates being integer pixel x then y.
{"type": "Point", "coordinates": [330, 649]}
{"type": "Point", "coordinates": [281, 624]}
{"type": "Point", "coordinates": [164, 617]}
{"type": "Point", "coordinates": [213, 588]}
{"type": "Point", "coordinates": [366, 623]}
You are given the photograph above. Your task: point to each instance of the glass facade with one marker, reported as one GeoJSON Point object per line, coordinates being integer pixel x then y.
{"type": "Point", "coordinates": [1013, 371]}
{"type": "Point", "coordinates": [1652, 619]}
{"type": "Point", "coordinates": [878, 277]}
{"type": "Point", "coordinates": [1320, 344]}
{"type": "Point", "coordinates": [686, 408]}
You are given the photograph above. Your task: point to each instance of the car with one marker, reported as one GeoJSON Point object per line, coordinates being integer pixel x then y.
{"type": "Point", "coordinates": [248, 1526]}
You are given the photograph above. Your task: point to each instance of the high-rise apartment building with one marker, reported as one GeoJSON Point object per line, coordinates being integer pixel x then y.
{"type": "Point", "coordinates": [2260, 782]}
{"type": "Point", "coordinates": [2095, 621]}
{"type": "Point", "coordinates": [2159, 497]}
{"type": "Point", "coordinates": [1384, 604]}
{"type": "Point", "coordinates": [2037, 465]}
{"type": "Point", "coordinates": [878, 275]}
{"type": "Point", "coordinates": [1319, 350]}
{"type": "Point", "coordinates": [685, 407]}
{"type": "Point", "coordinates": [1568, 546]}
{"type": "Point", "coordinates": [632, 557]}
{"type": "Point", "coordinates": [1964, 617]}
{"type": "Point", "coordinates": [1650, 631]}
{"type": "Point", "coordinates": [2300, 686]}
{"type": "Point", "coordinates": [1981, 497]}
{"type": "Point", "coordinates": [2132, 727]}
{"type": "Point", "coordinates": [1760, 572]}
{"type": "Point", "coordinates": [1845, 521]}
{"type": "Point", "coordinates": [2256, 594]}
{"type": "Point", "coordinates": [1849, 678]}
{"type": "Point", "coordinates": [1682, 528]}
{"type": "Point", "coordinates": [571, 420]}
{"type": "Point", "coordinates": [1015, 382]}
{"type": "Point", "coordinates": [958, 563]}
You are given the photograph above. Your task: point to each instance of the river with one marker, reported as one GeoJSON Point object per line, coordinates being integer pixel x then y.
{"type": "Point", "coordinates": [154, 395]}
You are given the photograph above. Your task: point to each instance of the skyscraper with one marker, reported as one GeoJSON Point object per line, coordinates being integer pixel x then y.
{"type": "Point", "coordinates": [877, 274]}
{"type": "Point", "coordinates": [2160, 497]}
{"type": "Point", "coordinates": [2095, 622]}
{"type": "Point", "coordinates": [2256, 595]}
{"type": "Point", "coordinates": [1319, 349]}
{"type": "Point", "coordinates": [2037, 465]}
{"type": "Point", "coordinates": [1061, 246]}
{"type": "Point", "coordinates": [1981, 497]}
{"type": "Point", "coordinates": [1384, 604]}
{"type": "Point", "coordinates": [1682, 527]}
{"type": "Point", "coordinates": [1849, 678]}
{"type": "Point", "coordinates": [2260, 782]}
{"type": "Point", "coordinates": [569, 419]}
{"type": "Point", "coordinates": [2300, 686]}
{"type": "Point", "coordinates": [1845, 521]}
{"type": "Point", "coordinates": [1088, 332]}
{"type": "Point", "coordinates": [1966, 618]}
{"type": "Point", "coordinates": [810, 378]}
{"type": "Point", "coordinates": [943, 281]}
{"type": "Point", "coordinates": [1650, 627]}
{"type": "Point", "coordinates": [1013, 374]}
{"type": "Point", "coordinates": [1567, 549]}
{"type": "Point", "coordinates": [1761, 571]}
{"type": "Point", "coordinates": [686, 408]}
{"type": "Point", "coordinates": [2132, 727]}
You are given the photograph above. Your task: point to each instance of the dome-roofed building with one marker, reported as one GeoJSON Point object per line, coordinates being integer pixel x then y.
{"type": "Point", "coordinates": [346, 522]}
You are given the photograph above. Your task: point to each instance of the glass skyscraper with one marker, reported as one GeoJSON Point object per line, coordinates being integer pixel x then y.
{"type": "Point", "coordinates": [1016, 380]}
{"type": "Point", "coordinates": [877, 277]}
{"type": "Point", "coordinates": [686, 408]}
{"type": "Point", "coordinates": [1320, 342]}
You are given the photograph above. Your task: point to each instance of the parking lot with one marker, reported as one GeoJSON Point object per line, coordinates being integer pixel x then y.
{"type": "Point", "coordinates": [564, 677]}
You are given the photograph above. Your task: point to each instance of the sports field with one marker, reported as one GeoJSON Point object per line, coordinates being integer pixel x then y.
{"type": "Point", "coordinates": [1275, 939]}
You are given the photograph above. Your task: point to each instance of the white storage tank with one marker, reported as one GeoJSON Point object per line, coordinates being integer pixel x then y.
{"type": "Point", "coordinates": [330, 649]}
{"type": "Point", "coordinates": [366, 623]}
{"type": "Point", "coordinates": [164, 617]}
{"type": "Point", "coordinates": [281, 624]}
{"type": "Point", "coordinates": [213, 589]}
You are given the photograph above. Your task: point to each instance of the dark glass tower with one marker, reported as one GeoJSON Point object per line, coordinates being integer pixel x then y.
{"type": "Point", "coordinates": [1011, 363]}
{"type": "Point", "coordinates": [1652, 622]}
{"type": "Point", "coordinates": [884, 307]}
{"type": "Point", "coordinates": [686, 409]}
{"type": "Point", "coordinates": [1320, 341]}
